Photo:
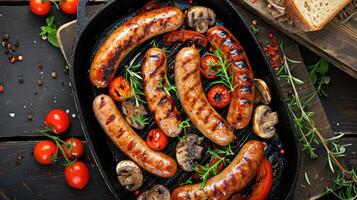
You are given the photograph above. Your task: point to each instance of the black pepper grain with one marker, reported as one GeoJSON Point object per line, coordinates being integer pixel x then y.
{"type": "Point", "coordinates": [20, 79]}
{"type": "Point", "coordinates": [30, 116]}
{"type": "Point", "coordinates": [40, 66]}
{"type": "Point", "coordinates": [40, 82]}
{"type": "Point", "coordinates": [5, 36]}
{"type": "Point", "coordinates": [19, 159]}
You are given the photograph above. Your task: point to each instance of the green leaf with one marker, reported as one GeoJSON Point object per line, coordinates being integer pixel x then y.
{"type": "Point", "coordinates": [52, 38]}
{"type": "Point", "coordinates": [49, 20]}
{"type": "Point", "coordinates": [323, 66]}
{"type": "Point", "coordinates": [313, 77]}
{"type": "Point", "coordinates": [326, 80]}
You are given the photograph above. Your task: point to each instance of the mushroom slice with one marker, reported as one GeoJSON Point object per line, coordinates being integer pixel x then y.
{"type": "Point", "coordinates": [187, 151]}
{"type": "Point", "coordinates": [262, 92]}
{"type": "Point", "coordinates": [129, 175]}
{"type": "Point", "coordinates": [200, 18]}
{"type": "Point", "coordinates": [158, 192]}
{"type": "Point", "coordinates": [132, 113]}
{"type": "Point", "coordinates": [264, 121]}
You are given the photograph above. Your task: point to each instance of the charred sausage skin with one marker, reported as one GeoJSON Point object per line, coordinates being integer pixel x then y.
{"type": "Point", "coordinates": [129, 142]}
{"type": "Point", "coordinates": [185, 36]}
{"type": "Point", "coordinates": [231, 180]}
{"type": "Point", "coordinates": [161, 105]}
{"type": "Point", "coordinates": [128, 36]}
{"type": "Point", "coordinates": [241, 106]}
{"type": "Point", "coordinates": [194, 100]}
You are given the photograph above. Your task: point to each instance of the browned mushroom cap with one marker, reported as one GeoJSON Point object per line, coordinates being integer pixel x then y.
{"type": "Point", "coordinates": [200, 18]}
{"type": "Point", "coordinates": [187, 151]}
{"type": "Point", "coordinates": [129, 175]}
{"type": "Point", "coordinates": [262, 92]}
{"type": "Point", "coordinates": [131, 113]}
{"type": "Point", "coordinates": [158, 192]}
{"type": "Point", "coordinates": [263, 121]}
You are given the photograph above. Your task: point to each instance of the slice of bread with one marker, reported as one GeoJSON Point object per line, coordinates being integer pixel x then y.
{"type": "Point", "coordinates": [312, 15]}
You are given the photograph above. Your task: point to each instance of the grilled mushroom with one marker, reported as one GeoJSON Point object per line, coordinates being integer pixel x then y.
{"type": "Point", "coordinates": [133, 113]}
{"type": "Point", "coordinates": [158, 192]}
{"type": "Point", "coordinates": [200, 18]}
{"type": "Point", "coordinates": [262, 92]}
{"type": "Point", "coordinates": [129, 175]}
{"type": "Point", "coordinates": [187, 151]}
{"type": "Point", "coordinates": [263, 121]}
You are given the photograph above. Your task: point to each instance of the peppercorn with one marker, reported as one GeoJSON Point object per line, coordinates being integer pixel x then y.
{"type": "Point", "coordinates": [40, 82]}
{"type": "Point", "coordinates": [20, 58]}
{"type": "Point", "coordinates": [53, 74]}
{"type": "Point", "coordinates": [21, 79]}
{"type": "Point", "coordinates": [5, 36]}
{"type": "Point", "coordinates": [29, 116]}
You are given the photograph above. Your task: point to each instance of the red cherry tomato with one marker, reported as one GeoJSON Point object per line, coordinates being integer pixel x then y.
{"type": "Point", "coordinates": [73, 148]}
{"type": "Point", "coordinates": [207, 70]}
{"type": "Point", "coordinates": [77, 175]}
{"type": "Point", "coordinates": [156, 140]}
{"type": "Point", "coordinates": [264, 181]}
{"type": "Point", "coordinates": [219, 96]}
{"type": "Point", "coordinates": [45, 151]}
{"type": "Point", "coordinates": [40, 8]}
{"type": "Point", "coordinates": [119, 89]}
{"type": "Point", "coordinates": [69, 6]}
{"type": "Point", "coordinates": [58, 120]}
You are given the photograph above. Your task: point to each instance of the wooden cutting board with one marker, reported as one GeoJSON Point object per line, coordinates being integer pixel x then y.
{"type": "Point", "coordinates": [337, 41]}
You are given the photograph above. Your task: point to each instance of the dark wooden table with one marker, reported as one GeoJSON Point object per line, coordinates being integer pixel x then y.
{"type": "Point", "coordinates": [29, 180]}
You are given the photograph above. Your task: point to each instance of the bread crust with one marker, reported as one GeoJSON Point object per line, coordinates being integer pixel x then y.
{"type": "Point", "coordinates": [303, 24]}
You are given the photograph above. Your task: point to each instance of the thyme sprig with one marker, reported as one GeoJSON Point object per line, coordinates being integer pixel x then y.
{"type": "Point", "coordinates": [224, 77]}
{"type": "Point", "coordinates": [133, 74]}
{"type": "Point", "coordinates": [141, 120]}
{"type": "Point", "coordinates": [310, 136]}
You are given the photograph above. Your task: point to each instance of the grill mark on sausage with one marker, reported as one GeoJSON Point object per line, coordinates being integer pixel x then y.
{"type": "Point", "coordinates": [190, 74]}
{"type": "Point", "coordinates": [110, 119]}
{"type": "Point", "coordinates": [162, 101]}
{"type": "Point", "coordinates": [131, 145]}
{"type": "Point", "coordinates": [120, 133]}
{"type": "Point", "coordinates": [102, 103]}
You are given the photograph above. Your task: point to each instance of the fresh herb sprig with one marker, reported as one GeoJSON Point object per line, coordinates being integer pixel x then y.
{"type": "Point", "coordinates": [50, 30]}
{"type": "Point", "coordinates": [319, 77]}
{"type": "Point", "coordinates": [310, 136]}
{"type": "Point", "coordinates": [167, 86]}
{"type": "Point", "coordinates": [184, 125]}
{"type": "Point", "coordinates": [141, 120]}
{"type": "Point", "coordinates": [224, 77]}
{"type": "Point", "coordinates": [133, 74]}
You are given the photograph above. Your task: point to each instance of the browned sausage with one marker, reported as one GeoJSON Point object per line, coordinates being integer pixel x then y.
{"type": "Point", "coordinates": [194, 100]}
{"type": "Point", "coordinates": [159, 102]}
{"type": "Point", "coordinates": [231, 180]}
{"type": "Point", "coordinates": [241, 105]}
{"type": "Point", "coordinates": [128, 36]}
{"type": "Point", "coordinates": [185, 36]}
{"type": "Point", "coordinates": [130, 143]}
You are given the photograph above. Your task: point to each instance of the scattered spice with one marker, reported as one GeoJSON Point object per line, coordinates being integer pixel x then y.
{"type": "Point", "coordinates": [53, 74]}
{"type": "Point", "coordinates": [20, 58]}
{"type": "Point", "coordinates": [12, 59]}
{"type": "Point", "coordinates": [74, 116]}
{"type": "Point", "coordinates": [19, 159]}
{"type": "Point", "coordinates": [1, 88]}
{"type": "Point", "coordinates": [40, 66]}
{"type": "Point", "coordinates": [282, 151]}
{"type": "Point", "coordinates": [30, 116]}
{"type": "Point", "coordinates": [40, 82]}
{"type": "Point", "coordinates": [5, 37]}
{"type": "Point", "coordinates": [35, 92]}
{"type": "Point", "coordinates": [44, 37]}
{"type": "Point", "coordinates": [12, 115]}
{"type": "Point", "coordinates": [137, 193]}
{"type": "Point", "coordinates": [20, 79]}
{"type": "Point", "coordinates": [17, 43]}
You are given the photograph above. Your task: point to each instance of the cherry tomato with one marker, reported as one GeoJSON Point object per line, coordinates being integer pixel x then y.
{"type": "Point", "coordinates": [45, 151]}
{"type": "Point", "coordinates": [119, 89]}
{"type": "Point", "coordinates": [73, 148]}
{"type": "Point", "coordinates": [156, 140]}
{"type": "Point", "coordinates": [207, 70]}
{"type": "Point", "coordinates": [264, 180]}
{"type": "Point", "coordinates": [58, 120]}
{"type": "Point", "coordinates": [77, 175]}
{"type": "Point", "coordinates": [39, 7]}
{"type": "Point", "coordinates": [69, 6]}
{"type": "Point", "coordinates": [219, 96]}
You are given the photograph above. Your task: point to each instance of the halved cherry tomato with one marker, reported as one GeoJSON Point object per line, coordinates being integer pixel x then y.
{"type": "Point", "coordinates": [58, 120]}
{"type": "Point", "coordinates": [219, 96]}
{"type": "Point", "coordinates": [69, 6]}
{"type": "Point", "coordinates": [77, 175]}
{"type": "Point", "coordinates": [119, 89]}
{"type": "Point", "coordinates": [45, 152]}
{"type": "Point", "coordinates": [40, 7]}
{"type": "Point", "coordinates": [207, 70]}
{"type": "Point", "coordinates": [264, 181]}
{"type": "Point", "coordinates": [73, 148]}
{"type": "Point", "coordinates": [156, 140]}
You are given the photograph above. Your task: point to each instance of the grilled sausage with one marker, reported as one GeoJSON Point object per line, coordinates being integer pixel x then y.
{"type": "Point", "coordinates": [130, 143]}
{"type": "Point", "coordinates": [231, 180]}
{"type": "Point", "coordinates": [159, 102]}
{"type": "Point", "coordinates": [185, 36]}
{"type": "Point", "coordinates": [128, 36]}
{"type": "Point", "coordinates": [194, 101]}
{"type": "Point", "coordinates": [241, 106]}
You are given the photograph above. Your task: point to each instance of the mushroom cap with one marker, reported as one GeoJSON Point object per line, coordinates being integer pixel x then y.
{"type": "Point", "coordinates": [187, 151]}
{"type": "Point", "coordinates": [262, 92]}
{"type": "Point", "coordinates": [129, 175]}
{"type": "Point", "coordinates": [264, 121]}
{"type": "Point", "coordinates": [158, 192]}
{"type": "Point", "coordinates": [200, 18]}
{"type": "Point", "coordinates": [130, 111]}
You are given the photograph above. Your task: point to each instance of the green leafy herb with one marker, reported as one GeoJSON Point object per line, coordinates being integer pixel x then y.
{"type": "Point", "coordinates": [222, 72]}
{"type": "Point", "coordinates": [255, 29]}
{"type": "Point", "coordinates": [188, 181]}
{"type": "Point", "coordinates": [319, 77]}
{"type": "Point", "coordinates": [167, 86]}
{"type": "Point", "coordinates": [185, 124]}
{"type": "Point", "coordinates": [50, 30]}
{"type": "Point", "coordinates": [141, 120]}
{"type": "Point", "coordinates": [133, 74]}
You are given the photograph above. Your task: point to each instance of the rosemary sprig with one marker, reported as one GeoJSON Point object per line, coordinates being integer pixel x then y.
{"type": "Point", "coordinates": [185, 124]}
{"type": "Point", "coordinates": [141, 120]}
{"type": "Point", "coordinates": [319, 77]}
{"type": "Point", "coordinates": [310, 136]}
{"type": "Point", "coordinates": [133, 74]}
{"type": "Point", "coordinates": [167, 86]}
{"type": "Point", "coordinates": [224, 77]}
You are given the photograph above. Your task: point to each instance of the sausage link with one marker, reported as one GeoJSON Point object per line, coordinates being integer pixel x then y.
{"type": "Point", "coordinates": [194, 101]}
{"type": "Point", "coordinates": [241, 106]}
{"type": "Point", "coordinates": [128, 36]}
{"type": "Point", "coordinates": [235, 177]}
{"type": "Point", "coordinates": [129, 142]}
{"type": "Point", "coordinates": [159, 102]}
{"type": "Point", "coordinates": [185, 36]}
